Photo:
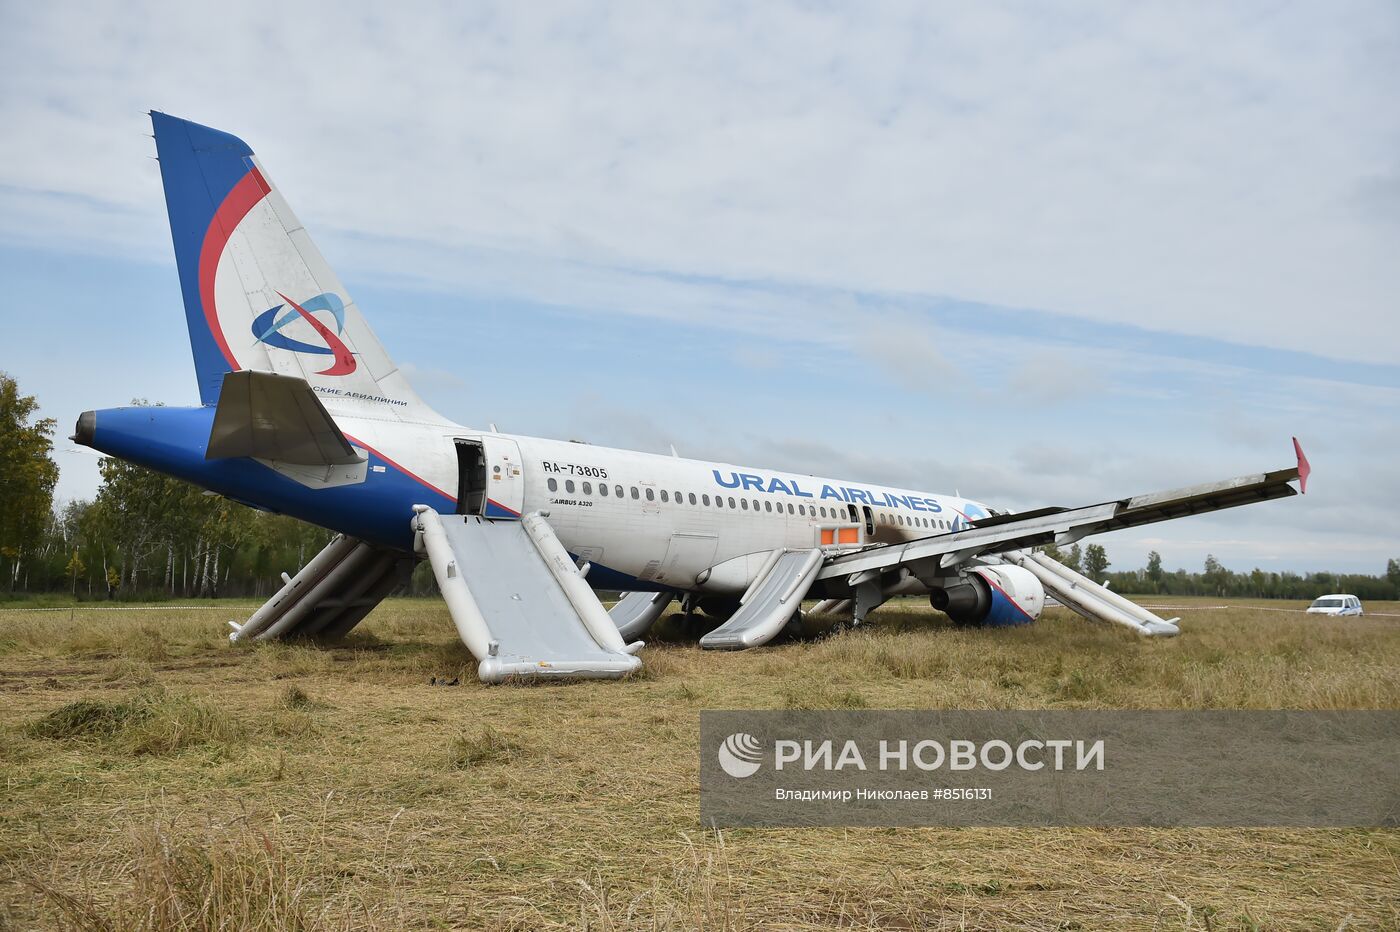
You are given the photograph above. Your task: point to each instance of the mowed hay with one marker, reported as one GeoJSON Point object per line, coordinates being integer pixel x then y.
{"type": "Point", "coordinates": [151, 722]}
{"type": "Point", "coordinates": [334, 787]}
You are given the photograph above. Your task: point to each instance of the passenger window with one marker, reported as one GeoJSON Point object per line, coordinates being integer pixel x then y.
{"type": "Point", "coordinates": [790, 508]}
{"type": "Point", "coordinates": [768, 507]}
{"type": "Point", "coordinates": [553, 485]}
{"type": "Point", "coordinates": [731, 502]}
{"type": "Point", "coordinates": [603, 489]}
{"type": "Point", "coordinates": [692, 498]}
{"type": "Point", "coordinates": [703, 498]}
{"type": "Point", "coordinates": [588, 488]}
{"type": "Point", "coordinates": [617, 490]}
{"type": "Point", "coordinates": [651, 496]}
{"type": "Point", "coordinates": [665, 496]}
{"type": "Point", "coordinates": [744, 504]}
{"type": "Point", "coordinates": [680, 499]}
{"type": "Point", "coordinates": [569, 486]}
{"type": "Point", "coordinates": [635, 494]}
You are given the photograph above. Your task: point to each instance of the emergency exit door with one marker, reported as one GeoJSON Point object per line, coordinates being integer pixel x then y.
{"type": "Point", "coordinates": [491, 477]}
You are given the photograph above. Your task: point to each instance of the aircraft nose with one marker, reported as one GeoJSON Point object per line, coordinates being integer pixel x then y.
{"type": "Point", "coordinates": [86, 429]}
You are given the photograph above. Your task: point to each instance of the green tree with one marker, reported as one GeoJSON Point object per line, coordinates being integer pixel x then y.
{"type": "Point", "coordinates": [1392, 572]}
{"type": "Point", "coordinates": [1095, 562]}
{"type": "Point", "coordinates": [1154, 570]}
{"type": "Point", "coordinates": [27, 475]}
{"type": "Point", "coordinates": [1216, 577]}
{"type": "Point", "coordinates": [74, 569]}
{"type": "Point", "coordinates": [1258, 582]}
{"type": "Point", "coordinates": [135, 507]}
{"type": "Point", "coordinates": [1075, 560]}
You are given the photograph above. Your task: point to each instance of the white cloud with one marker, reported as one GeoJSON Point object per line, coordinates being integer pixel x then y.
{"type": "Point", "coordinates": [789, 174]}
{"type": "Point", "coordinates": [1215, 170]}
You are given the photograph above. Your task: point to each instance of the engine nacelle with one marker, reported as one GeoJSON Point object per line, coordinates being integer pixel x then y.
{"type": "Point", "coordinates": [992, 596]}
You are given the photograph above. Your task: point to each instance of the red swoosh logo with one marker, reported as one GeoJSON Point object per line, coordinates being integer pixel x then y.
{"type": "Point", "coordinates": [344, 359]}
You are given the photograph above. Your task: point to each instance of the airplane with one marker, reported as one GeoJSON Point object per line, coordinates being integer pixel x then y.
{"type": "Point", "coordinates": [302, 412]}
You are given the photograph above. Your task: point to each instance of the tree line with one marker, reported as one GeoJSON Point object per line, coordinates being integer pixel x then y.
{"type": "Point", "coordinates": [144, 536]}
{"type": "Point", "coordinates": [1214, 579]}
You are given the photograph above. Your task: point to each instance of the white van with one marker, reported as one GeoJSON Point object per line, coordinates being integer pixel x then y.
{"type": "Point", "coordinates": [1335, 605]}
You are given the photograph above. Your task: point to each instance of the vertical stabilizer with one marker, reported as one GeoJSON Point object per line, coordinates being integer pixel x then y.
{"type": "Point", "coordinates": [258, 294]}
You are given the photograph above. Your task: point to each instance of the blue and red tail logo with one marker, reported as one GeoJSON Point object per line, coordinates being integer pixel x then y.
{"type": "Point", "coordinates": [969, 514]}
{"type": "Point", "coordinates": [267, 327]}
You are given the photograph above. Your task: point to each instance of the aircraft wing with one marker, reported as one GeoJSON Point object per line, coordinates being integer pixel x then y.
{"type": "Point", "coordinates": [1001, 533]}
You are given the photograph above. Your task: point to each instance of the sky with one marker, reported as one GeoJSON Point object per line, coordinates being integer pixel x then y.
{"type": "Point", "coordinates": [1033, 253]}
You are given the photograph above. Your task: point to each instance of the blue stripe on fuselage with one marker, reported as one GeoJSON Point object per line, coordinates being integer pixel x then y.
{"type": "Point", "coordinates": [379, 510]}
{"type": "Point", "coordinates": [173, 441]}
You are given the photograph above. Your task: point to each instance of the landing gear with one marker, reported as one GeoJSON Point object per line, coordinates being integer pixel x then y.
{"type": "Point", "coordinates": [716, 607]}
{"type": "Point", "coordinates": [701, 614]}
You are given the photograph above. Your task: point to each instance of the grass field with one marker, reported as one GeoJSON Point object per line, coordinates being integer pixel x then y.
{"type": "Point", "coordinates": [155, 776]}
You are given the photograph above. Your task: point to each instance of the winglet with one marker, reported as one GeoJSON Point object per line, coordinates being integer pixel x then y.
{"type": "Point", "coordinates": [1304, 469]}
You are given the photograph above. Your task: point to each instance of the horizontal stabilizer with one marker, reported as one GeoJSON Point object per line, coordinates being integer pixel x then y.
{"type": "Point", "coordinates": [276, 417]}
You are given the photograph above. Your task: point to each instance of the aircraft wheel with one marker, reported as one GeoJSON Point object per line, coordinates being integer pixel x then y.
{"type": "Point", "coordinates": [719, 609]}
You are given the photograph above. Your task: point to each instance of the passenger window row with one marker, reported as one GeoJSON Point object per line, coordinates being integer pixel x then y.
{"type": "Point", "coordinates": [603, 490]}
{"type": "Point", "coordinates": [915, 521]}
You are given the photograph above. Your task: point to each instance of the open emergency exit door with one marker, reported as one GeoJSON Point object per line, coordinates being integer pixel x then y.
{"type": "Point", "coordinates": [491, 477]}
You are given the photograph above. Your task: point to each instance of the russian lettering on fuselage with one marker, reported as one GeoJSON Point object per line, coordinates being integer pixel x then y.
{"type": "Point", "coordinates": [744, 481]}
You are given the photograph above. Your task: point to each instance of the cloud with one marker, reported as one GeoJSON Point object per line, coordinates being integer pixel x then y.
{"type": "Point", "coordinates": [1192, 170]}
{"type": "Point", "coordinates": [1040, 258]}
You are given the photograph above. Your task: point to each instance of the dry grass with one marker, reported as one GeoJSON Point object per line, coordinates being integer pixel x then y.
{"type": "Point", "coordinates": [156, 777]}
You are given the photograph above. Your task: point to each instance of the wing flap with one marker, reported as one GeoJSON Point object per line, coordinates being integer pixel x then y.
{"type": "Point", "coordinates": [1214, 496]}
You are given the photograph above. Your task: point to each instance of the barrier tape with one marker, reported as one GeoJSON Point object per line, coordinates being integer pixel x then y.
{"type": "Point", "coordinates": [1257, 608]}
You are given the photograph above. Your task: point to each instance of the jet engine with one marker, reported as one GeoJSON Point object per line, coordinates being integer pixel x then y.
{"type": "Point", "coordinates": [991, 596]}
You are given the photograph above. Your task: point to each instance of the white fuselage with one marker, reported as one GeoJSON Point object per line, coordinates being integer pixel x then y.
{"type": "Point", "coordinates": [664, 520]}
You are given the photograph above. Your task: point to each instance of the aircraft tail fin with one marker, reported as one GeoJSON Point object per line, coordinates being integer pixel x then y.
{"type": "Point", "coordinates": [258, 294]}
